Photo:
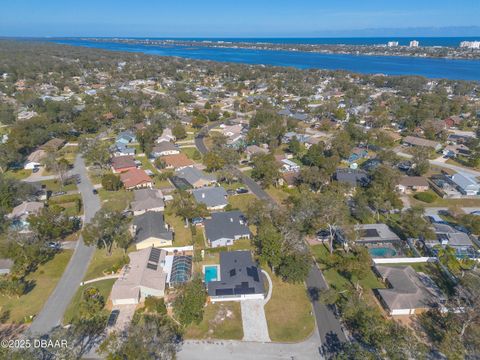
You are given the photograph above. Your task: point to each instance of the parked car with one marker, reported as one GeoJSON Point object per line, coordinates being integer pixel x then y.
{"type": "Point", "coordinates": [242, 191]}
{"type": "Point", "coordinates": [36, 169]}
{"type": "Point", "coordinates": [477, 212]}
{"type": "Point", "coordinates": [112, 318]}
{"type": "Point", "coordinates": [54, 245]}
{"type": "Point", "coordinates": [59, 193]}
{"type": "Point", "coordinates": [95, 191]}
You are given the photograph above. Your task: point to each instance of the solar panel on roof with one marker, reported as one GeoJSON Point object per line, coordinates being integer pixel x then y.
{"type": "Point", "coordinates": [152, 266]}
{"type": "Point", "coordinates": [220, 292]}
{"type": "Point", "coordinates": [253, 273]}
{"type": "Point", "coordinates": [370, 233]}
{"type": "Point", "coordinates": [154, 255]}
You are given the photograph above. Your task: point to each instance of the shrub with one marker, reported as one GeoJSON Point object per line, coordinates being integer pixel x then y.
{"type": "Point", "coordinates": [425, 197]}
{"type": "Point", "coordinates": [111, 182]}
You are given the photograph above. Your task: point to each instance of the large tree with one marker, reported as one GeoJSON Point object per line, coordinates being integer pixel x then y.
{"type": "Point", "coordinates": [189, 304]}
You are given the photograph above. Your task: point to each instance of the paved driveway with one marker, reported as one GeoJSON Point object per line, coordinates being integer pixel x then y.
{"type": "Point", "coordinates": [254, 321]}
{"type": "Point", "coordinates": [52, 313]}
{"type": "Point", "coordinates": [124, 319]}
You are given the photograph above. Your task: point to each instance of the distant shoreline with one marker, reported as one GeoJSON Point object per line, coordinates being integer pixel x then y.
{"type": "Point", "coordinates": [445, 52]}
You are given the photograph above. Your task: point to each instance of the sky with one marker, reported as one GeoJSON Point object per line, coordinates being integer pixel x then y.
{"type": "Point", "coordinates": [241, 18]}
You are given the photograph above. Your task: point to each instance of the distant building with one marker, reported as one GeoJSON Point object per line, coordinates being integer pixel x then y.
{"type": "Point", "coordinates": [416, 141]}
{"type": "Point", "coordinates": [392, 43]}
{"type": "Point", "coordinates": [195, 177]}
{"type": "Point", "coordinates": [165, 148]}
{"type": "Point", "coordinates": [35, 159]}
{"type": "Point", "coordinates": [414, 43]}
{"type": "Point", "coordinates": [136, 179]}
{"type": "Point", "coordinates": [372, 233]}
{"type": "Point", "coordinates": [352, 177]}
{"type": "Point", "coordinates": [215, 198]}
{"type": "Point", "coordinates": [466, 184]}
{"type": "Point", "coordinates": [470, 44]}
{"type": "Point", "coordinates": [408, 184]}
{"type": "Point", "coordinates": [147, 200]}
{"type": "Point", "coordinates": [123, 163]}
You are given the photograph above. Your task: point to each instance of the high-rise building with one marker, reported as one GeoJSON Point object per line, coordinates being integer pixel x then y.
{"type": "Point", "coordinates": [414, 43]}
{"type": "Point", "coordinates": [392, 43]}
{"type": "Point", "coordinates": [470, 44]}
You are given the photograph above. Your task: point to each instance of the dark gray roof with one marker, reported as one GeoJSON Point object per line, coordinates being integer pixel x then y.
{"type": "Point", "coordinates": [239, 275]}
{"type": "Point", "coordinates": [351, 176]}
{"type": "Point", "coordinates": [164, 146]}
{"type": "Point", "coordinates": [211, 196]}
{"type": "Point", "coordinates": [192, 175]}
{"type": "Point", "coordinates": [226, 225]}
{"type": "Point", "coordinates": [151, 224]}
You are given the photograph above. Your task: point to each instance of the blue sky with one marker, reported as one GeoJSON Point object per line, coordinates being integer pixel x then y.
{"type": "Point", "coordinates": [224, 18]}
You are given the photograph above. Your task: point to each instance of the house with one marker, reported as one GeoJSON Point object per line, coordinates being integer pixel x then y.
{"type": "Point", "coordinates": [351, 177]}
{"type": "Point", "coordinates": [126, 137]}
{"type": "Point", "coordinates": [372, 233]}
{"type": "Point", "coordinates": [166, 136]}
{"type": "Point", "coordinates": [409, 184]}
{"type": "Point", "coordinates": [54, 144]}
{"type": "Point", "coordinates": [456, 150]}
{"type": "Point", "coordinates": [240, 278]}
{"type": "Point", "coordinates": [136, 179]}
{"type": "Point", "coordinates": [225, 227]}
{"type": "Point", "coordinates": [120, 149]}
{"type": "Point", "coordinates": [289, 179]}
{"type": "Point", "coordinates": [357, 154]}
{"type": "Point", "coordinates": [195, 177]}
{"type": "Point", "coordinates": [26, 208]}
{"type": "Point", "coordinates": [164, 148]}
{"type": "Point", "coordinates": [466, 184]}
{"type": "Point", "coordinates": [232, 130]}
{"type": "Point", "coordinates": [35, 159]}
{"type": "Point", "coordinates": [446, 235]}
{"type": "Point", "coordinates": [122, 164]}
{"type": "Point", "coordinates": [408, 292]}
{"type": "Point", "coordinates": [5, 266]}
{"type": "Point", "coordinates": [177, 161]}
{"type": "Point", "coordinates": [289, 166]}
{"type": "Point", "coordinates": [453, 121]}
{"type": "Point", "coordinates": [416, 141]}
{"type": "Point", "coordinates": [252, 150]}
{"type": "Point", "coordinates": [214, 197]}
{"type": "Point", "coordinates": [149, 229]}
{"type": "Point", "coordinates": [147, 200]}
{"type": "Point", "coordinates": [144, 276]}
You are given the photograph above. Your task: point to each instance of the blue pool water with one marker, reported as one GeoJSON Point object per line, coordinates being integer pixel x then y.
{"type": "Point", "coordinates": [390, 65]}
{"type": "Point", "coordinates": [211, 273]}
{"type": "Point", "coordinates": [382, 252]}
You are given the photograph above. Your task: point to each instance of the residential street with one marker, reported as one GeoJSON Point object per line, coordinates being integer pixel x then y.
{"type": "Point", "coordinates": [52, 312]}
{"type": "Point", "coordinates": [329, 327]}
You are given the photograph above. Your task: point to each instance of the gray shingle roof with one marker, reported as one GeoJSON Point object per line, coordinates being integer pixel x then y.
{"type": "Point", "coordinates": [151, 224]}
{"type": "Point", "coordinates": [211, 196]}
{"type": "Point", "coordinates": [228, 225]}
{"type": "Point", "coordinates": [192, 175]}
{"type": "Point", "coordinates": [238, 275]}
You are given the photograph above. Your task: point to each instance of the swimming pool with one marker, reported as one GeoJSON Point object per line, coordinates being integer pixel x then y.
{"type": "Point", "coordinates": [382, 252]}
{"type": "Point", "coordinates": [211, 273]}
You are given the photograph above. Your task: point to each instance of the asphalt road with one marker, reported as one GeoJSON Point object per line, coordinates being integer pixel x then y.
{"type": "Point", "coordinates": [52, 313]}
{"type": "Point", "coordinates": [329, 327]}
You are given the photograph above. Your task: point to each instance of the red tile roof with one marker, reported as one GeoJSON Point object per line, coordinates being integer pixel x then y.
{"type": "Point", "coordinates": [134, 177]}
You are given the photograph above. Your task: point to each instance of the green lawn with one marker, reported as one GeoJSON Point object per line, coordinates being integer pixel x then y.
{"type": "Point", "coordinates": [289, 312]}
{"type": "Point", "coordinates": [45, 279]}
{"type": "Point", "coordinates": [104, 286]}
{"type": "Point", "coordinates": [55, 185]}
{"type": "Point", "coordinates": [280, 194]}
{"type": "Point", "coordinates": [116, 200]}
{"type": "Point", "coordinates": [18, 174]}
{"type": "Point", "coordinates": [190, 151]}
{"type": "Point", "coordinates": [102, 263]}
{"type": "Point", "coordinates": [439, 202]}
{"type": "Point", "coordinates": [241, 202]}
{"type": "Point", "coordinates": [220, 321]}
{"type": "Point", "coordinates": [146, 164]}
{"type": "Point", "coordinates": [69, 203]}
{"type": "Point", "coordinates": [183, 235]}
{"type": "Point", "coordinates": [337, 280]}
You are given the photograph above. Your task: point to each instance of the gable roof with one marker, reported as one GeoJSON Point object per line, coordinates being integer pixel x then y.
{"type": "Point", "coordinates": [351, 176]}
{"type": "Point", "coordinates": [412, 140]}
{"type": "Point", "coordinates": [226, 225]}
{"type": "Point", "coordinates": [164, 146]}
{"type": "Point", "coordinates": [413, 181]}
{"type": "Point", "coordinates": [26, 207]}
{"type": "Point", "coordinates": [239, 275]}
{"type": "Point", "coordinates": [123, 162]}
{"type": "Point", "coordinates": [192, 175]}
{"type": "Point", "coordinates": [211, 196]}
{"type": "Point", "coordinates": [151, 224]}
{"type": "Point", "coordinates": [375, 232]}
{"type": "Point", "coordinates": [146, 199]}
